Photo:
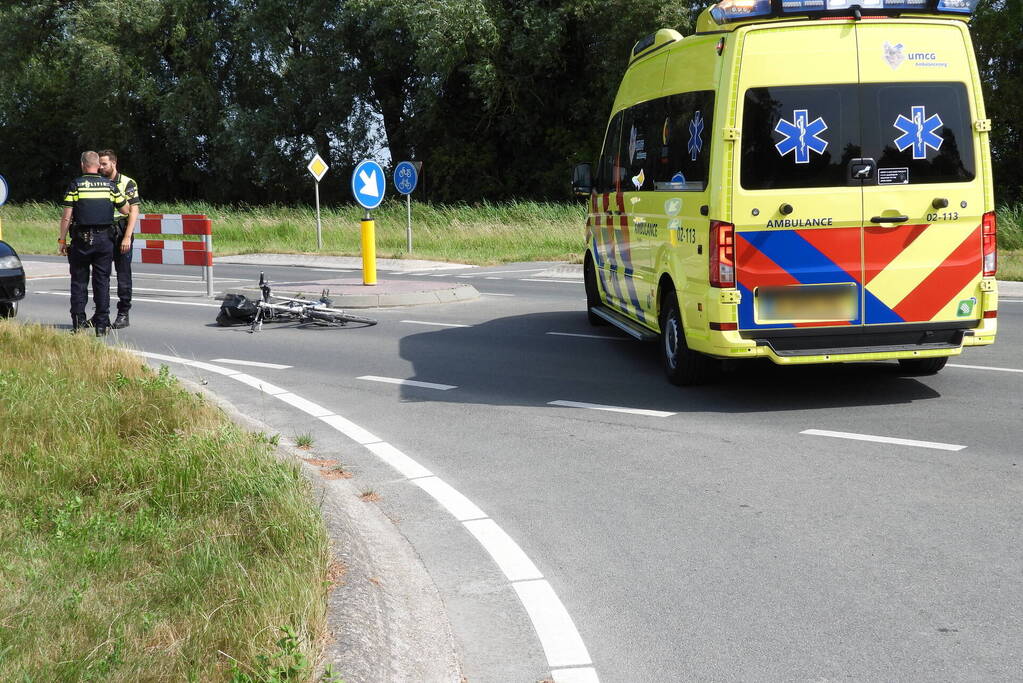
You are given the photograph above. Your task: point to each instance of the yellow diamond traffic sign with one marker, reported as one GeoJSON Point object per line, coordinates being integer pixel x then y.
{"type": "Point", "coordinates": [318, 167]}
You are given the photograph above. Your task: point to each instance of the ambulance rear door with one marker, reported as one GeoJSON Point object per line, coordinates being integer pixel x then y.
{"type": "Point", "coordinates": [797, 199]}
{"type": "Point", "coordinates": [924, 200]}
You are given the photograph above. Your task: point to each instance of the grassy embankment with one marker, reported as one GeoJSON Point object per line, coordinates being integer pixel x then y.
{"type": "Point", "coordinates": [142, 535]}
{"type": "Point", "coordinates": [481, 234]}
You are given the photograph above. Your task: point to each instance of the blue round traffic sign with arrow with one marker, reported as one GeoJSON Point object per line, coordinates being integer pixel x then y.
{"type": "Point", "coordinates": [368, 184]}
{"type": "Point", "coordinates": [3, 190]}
{"type": "Point", "coordinates": [405, 177]}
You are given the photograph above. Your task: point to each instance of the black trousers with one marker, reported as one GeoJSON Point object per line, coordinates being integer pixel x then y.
{"type": "Point", "coordinates": [90, 255]}
{"type": "Point", "coordinates": [122, 264]}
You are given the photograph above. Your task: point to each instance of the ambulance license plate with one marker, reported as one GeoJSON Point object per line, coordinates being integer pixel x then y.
{"type": "Point", "coordinates": [807, 303]}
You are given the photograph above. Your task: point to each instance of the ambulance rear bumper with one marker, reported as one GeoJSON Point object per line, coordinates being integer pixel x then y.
{"type": "Point", "coordinates": [881, 339]}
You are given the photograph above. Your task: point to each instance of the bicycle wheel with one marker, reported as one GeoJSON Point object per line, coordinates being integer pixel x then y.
{"type": "Point", "coordinates": [335, 317]}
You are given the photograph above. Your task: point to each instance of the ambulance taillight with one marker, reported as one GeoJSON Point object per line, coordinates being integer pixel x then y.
{"type": "Point", "coordinates": [722, 254]}
{"type": "Point", "coordinates": [989, 230]}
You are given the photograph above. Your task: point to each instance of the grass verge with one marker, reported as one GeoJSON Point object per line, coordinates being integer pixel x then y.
{"type": "Point", "coordinates": [481, 234]}
{"type": "Point", "coordinates": [142, 535]}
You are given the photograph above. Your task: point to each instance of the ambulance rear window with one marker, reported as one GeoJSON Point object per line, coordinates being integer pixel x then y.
{"type": "Point", "coordinates": [925, 128]}
{"type": "Point", "coordinates": [807, 136]}
{"type": "Point", "coordinates": [799, 136]}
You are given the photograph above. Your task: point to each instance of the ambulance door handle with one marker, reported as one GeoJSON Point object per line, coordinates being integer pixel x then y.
{"type": "Point", "coordinates": [889, 219]}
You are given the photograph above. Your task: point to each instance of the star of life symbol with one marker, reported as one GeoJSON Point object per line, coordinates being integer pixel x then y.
{"type": "Point", "coordinates": [919, 132]}
{"type": "Point", "coordinates": [695, 132]}
{"type": "Point", "coordinates": [801, 137]}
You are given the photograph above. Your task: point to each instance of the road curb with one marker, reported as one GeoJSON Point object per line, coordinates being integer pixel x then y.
{"type": "Point", "coordinates": [385, 619]}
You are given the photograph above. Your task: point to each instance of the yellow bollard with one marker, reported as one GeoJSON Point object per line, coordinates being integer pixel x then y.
{"type": "Point", "coordinates": [369, 250]}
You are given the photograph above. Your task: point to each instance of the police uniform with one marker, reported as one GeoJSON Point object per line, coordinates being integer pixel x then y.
{"type": "Point", "coordinates": [92, 199]}
{"type": "Point", "coordinates": [122, 262]}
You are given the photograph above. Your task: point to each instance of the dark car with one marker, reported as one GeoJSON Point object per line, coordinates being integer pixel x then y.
{"type": "Point", "coordinates": [12, 281]}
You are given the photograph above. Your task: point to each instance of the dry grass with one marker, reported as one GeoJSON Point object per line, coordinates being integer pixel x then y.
{"type": "Point", "coordinates": [142, 535]}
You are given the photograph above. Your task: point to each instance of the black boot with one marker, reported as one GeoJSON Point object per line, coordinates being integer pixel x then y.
{"type": "Point", "coordinates": [101, 330]}
{"type": "Point", "coordinates": [79, 322]}
{"type": "Point", "coordinates": [121, 321]}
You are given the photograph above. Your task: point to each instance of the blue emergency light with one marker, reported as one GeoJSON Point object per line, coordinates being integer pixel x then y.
{"type": "Point", "coordinates": [728, 11]}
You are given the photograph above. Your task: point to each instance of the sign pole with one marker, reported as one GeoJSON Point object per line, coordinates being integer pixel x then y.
{"type": "Point", "coordinates": [319, 228]}
{"type": "Point", "coordinates": [408, 230]}
{"type": "Point", "coordinates": [317, 169]}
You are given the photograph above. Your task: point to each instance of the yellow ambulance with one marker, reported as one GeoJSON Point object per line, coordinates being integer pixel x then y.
{"type": "Point", "coordinates": [802, 180]}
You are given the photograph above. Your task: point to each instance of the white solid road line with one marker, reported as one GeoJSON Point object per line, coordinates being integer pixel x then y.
{"type": "Point", "coordinates": [460, 507]}
{"type": "Point", "coordinates": [588, 336]}
{"type": "Point", "coordinates": [581, 675]}
{"type": "Point", "coordinates": [406, 466]}
{"type": "Point", "coordinates": [558, 635]}
{"type": "Point", "coordinates": [494, 294]}
{"type": "Point", "coordinates": [982, 367]}
{"type": "Point", "coordinates": [255, 364]}
{"type": "Point", "coordinates": [424, 322]}
{"type": "Point", "coordinates": [884, 439]}
{"type": "Point", "coordinates": [611, 409]}
{"type": "Point", "coordinates": [408, 382]}
{"type": "Point", "coordinates": [554, 627]}
{"type": "Point", "coordinates": [515, 564]}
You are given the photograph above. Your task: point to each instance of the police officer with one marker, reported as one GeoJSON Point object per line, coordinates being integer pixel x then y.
{"type": "Point", "coordinates": [88, 213]}
{"type": "Point", "coordinates": [125, 239]}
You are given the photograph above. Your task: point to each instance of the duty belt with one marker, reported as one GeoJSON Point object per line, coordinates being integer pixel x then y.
{"type": "Point", "coordinates": [86, 232]}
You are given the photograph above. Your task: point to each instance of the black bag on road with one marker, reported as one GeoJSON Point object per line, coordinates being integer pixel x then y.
{"type": "Point", "coordinates": [236, 310]}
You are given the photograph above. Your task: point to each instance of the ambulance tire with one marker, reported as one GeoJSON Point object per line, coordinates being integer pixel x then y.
{"type": "Point", "coordinates": [922, 366]}
{"type": "Point", "coordinates": [683, 366]}
{"type": "Point", "coordinates": [592, 295]}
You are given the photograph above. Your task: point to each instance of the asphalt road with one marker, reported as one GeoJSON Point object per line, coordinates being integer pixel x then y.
{"type": "Point", "coordinates": [709, 538]}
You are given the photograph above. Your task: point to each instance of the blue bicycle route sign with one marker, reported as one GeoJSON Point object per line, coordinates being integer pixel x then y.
{"type": "Point", "coordinates": [405, 177]}
{"type": "Point", "coordinates": [368, 184]}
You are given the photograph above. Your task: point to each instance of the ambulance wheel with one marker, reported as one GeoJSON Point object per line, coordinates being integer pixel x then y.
{"type": "Point", "coordinates": [683, 366]}
{"type": "Point", "coordinates": [592, 295]}
{"type": "Point", "coordinates": [922, 366]}
{"type": "Point", "coordinates": [8, 309]}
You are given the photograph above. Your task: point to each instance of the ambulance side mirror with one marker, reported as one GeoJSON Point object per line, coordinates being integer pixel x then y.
{"type": "Point", "coordinates": [582, 180]}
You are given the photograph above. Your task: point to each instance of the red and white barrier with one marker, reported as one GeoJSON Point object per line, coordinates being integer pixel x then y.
{"type": "Point", "coordinates": [176, 252]}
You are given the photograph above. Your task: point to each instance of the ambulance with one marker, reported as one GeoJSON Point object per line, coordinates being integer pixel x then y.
{"type": "Point", "coordinates": [807, 181]}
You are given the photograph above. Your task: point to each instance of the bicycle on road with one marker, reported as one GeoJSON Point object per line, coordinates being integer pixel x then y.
{"type": "Point", "coordinates": [275, 308]}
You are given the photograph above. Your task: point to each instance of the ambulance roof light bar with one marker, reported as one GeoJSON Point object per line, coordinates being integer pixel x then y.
{"type": "Point", "coordinates": [727, 11]}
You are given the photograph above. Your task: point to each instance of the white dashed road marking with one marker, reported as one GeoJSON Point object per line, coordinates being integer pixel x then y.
{"type": "Point", "coordinates": [408, 382]}
{"type": "Point", "coordinates": [982, 367]}
{"type": "Point", "coordinates": [566, 653]}
{"type": "Point", "coordinates": [611, 409]}
{"type": "Point", "coordinates": [587, 336]}
{"type": "Point", "coordinates": [883, 439]}
{"type": "Point", "coordinates": [564, 282]}
{"type": "Point", "coordinates": [424, 322]}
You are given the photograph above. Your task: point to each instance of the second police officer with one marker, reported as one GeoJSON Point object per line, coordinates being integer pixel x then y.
{"type": "Point", "coordinates": [89, 205]}
{"type": "Point", "coordinates": [125, 238]}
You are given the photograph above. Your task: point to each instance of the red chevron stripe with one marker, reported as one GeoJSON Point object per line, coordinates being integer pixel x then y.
{"type": "Point", "coordinates": [841, 245]}
{"type": "Point", "coordinates": [882, 245]}
{"type": "Point", "coordinates": [944, 282]}
{"type": "Point", "coordinates": [756, 269]}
